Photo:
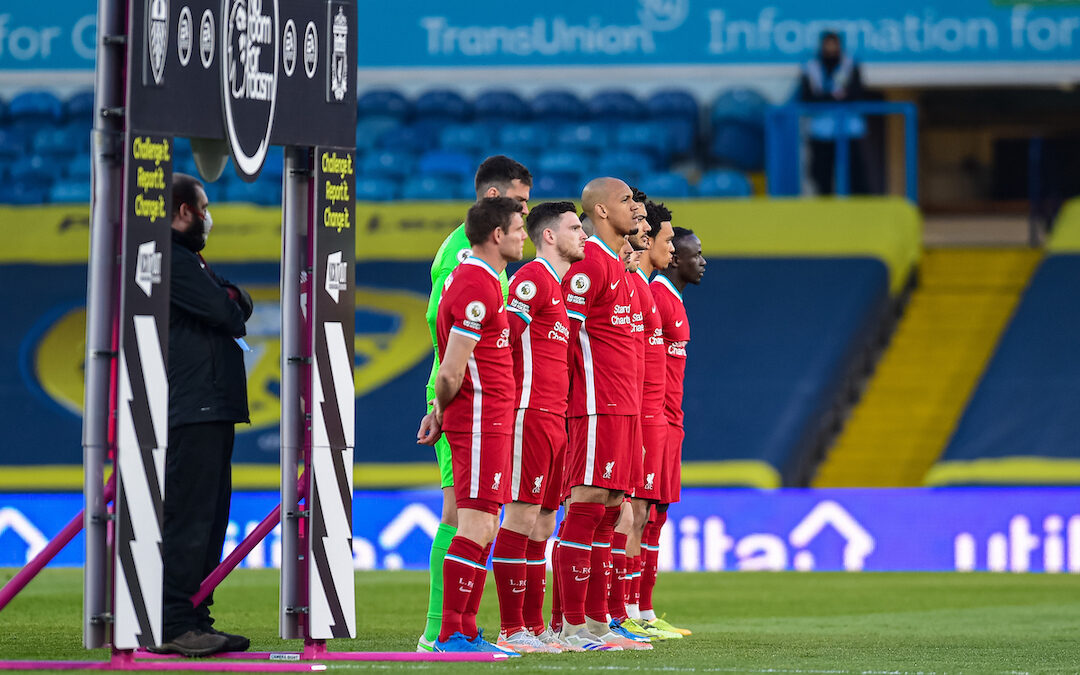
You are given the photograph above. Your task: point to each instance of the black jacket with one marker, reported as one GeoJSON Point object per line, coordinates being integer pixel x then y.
{"type": "Point", "coordinates": [207, 382]}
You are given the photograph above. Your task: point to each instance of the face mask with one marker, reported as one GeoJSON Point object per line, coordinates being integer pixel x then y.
{"type": "Point", "coordinates": [207, 225]}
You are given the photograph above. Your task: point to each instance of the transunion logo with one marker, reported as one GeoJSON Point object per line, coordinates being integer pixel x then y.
{"type": "Point", "coordinates": [249, 74]}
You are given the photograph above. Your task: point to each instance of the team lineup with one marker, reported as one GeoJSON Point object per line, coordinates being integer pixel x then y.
{"type": "Point", "coordinates": [561, 386]}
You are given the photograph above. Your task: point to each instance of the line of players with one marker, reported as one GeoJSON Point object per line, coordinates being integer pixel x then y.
{"type": "Point", "coordinates": [562, 388]}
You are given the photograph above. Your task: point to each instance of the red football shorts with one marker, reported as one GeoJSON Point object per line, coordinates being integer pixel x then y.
{"type": "Point", "coordinates": [481, 465]}
{"type": "Point", "coordinates": [637, 459]}
{"type": "Point", "coordinates": [655, 441]}
{"type": "Point", "coordinates": [598, 452]}
{"type": "Point", "coordinates": [672, 488]}
{"type": "Point", "coordinates": [537, 455]}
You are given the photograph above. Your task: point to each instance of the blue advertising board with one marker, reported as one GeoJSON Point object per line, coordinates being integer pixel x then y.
{"type": "Point", "coordinates": [436, 33]}
{"type": "Point", "coordinates": [953, 529]}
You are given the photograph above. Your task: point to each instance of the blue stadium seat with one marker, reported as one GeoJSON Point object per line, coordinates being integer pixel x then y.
{"type": "Point", "coordinates": [739, 105]}
{"type": "Point", "coordinates": [467, 188]}
{"type": "Point", "coordinates": [181, 147]}
{"type": "Point", "coordinates": [614, 105]}
{"type": "Point", "coordinates": [34, 169]}
{"type": "Point", "coordinates": [526, 157]}
{"type": "Point", "coordinates": [724, 183]}
{"type": "Point", "coordinates": [383, 103]}
{"type": "Point", "coordinates": [447, 163]}
{"type": "Point", "coordinates": [24, 192]}
{"type": "Point", "coordinates": [12, 144]}
{"type": "Point", "coordinates": [442, 104]}
{"type": "Point", "coordinates": [61, 141]}
{"type": "Point", "coordinates": [531, 136]}
{"type": "Point", "coordinates": [263, 191]}
{"type": "Point", "coordinates": [370, 129]}
{"type": "Point", "coordinates": [185, 164]}
{"type": "Point", "coordinates": [79, 168]}
{"type": "Point", "coordinates": [681, 135]}
{"type": "Point", "coordinates": [557, 105]}
{"type": "Point", "coordinates": [387, 163]}
{"type": "Point", "coordinates": [556, 185]}
{"type": "Point", "coordinates": [628, 165]}
{"type": "Point", "coordinates": [429, 187]}
{"type": "Point", "coordinates": [651, 137]}
{"type": "Point", "coordinates": [739, 145]}
{"type": "Point", "coordinates": [70, 192]}
{"type": "Point", "coordinates": [664, 184]}
{"type": "Point", "coordinates": [587, 136]}
{"type": "Point", "coordinates": [273, 167]}
{"type": "Point", "coordinates": [218, 191]}
{"type": "Point", "coordinates": [406, 139]}
{"type": "Point", "coordinates": [372, 189]}
{"type": "Point", "coordinates": [673, 104]}
{"type": "Point", "coordinates": [471, 139]}
{"type": "Point", "coordinates": [79, 108]}
{"type": "Point", "coordinates": [500, 105]}
{"type": "Point", "coordinates": [35, 109]}
{"type": "Point", "coordinates": [562, 161]}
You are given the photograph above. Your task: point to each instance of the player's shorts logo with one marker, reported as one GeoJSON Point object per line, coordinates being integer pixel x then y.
{"type": "Point", "coordinates": [536, 484]}
{"type": "Point", "coordinates": [580, 283]}
{"type": "Point", "coordinates": [649, 478]}
{"type": "Point", "coordinates": [497, 481]}
{"type": "Point", "coordinates": [526, 290]}
{"type": "Point", "coordinates": [608, 469]}
{"type": "Point", "coordinates": [475, 311]}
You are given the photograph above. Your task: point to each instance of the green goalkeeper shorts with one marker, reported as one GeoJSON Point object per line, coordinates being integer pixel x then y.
{"type": "Point", "coordinates": [442, 455]}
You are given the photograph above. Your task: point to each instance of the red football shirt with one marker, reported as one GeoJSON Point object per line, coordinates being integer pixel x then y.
{"type": "Point", "coordinates": [472, 306]}
{"type": "Point", "coordinates": [637, 326]}
{"type": "Point", "coordinates": [676, 330]}
{"type": "Point", "coordinates": [539, 337]}
{"type": "Point", "coordinates": [655, 376]}
{"type": "Point", "coordinates": [602, 346]}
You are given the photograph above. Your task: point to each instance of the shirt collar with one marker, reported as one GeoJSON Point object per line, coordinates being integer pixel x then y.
{"type": "Point", "coordinates": [666, 283]}
{"type": "Point", "coordinates": [644, 276]}
{"type": "Point", "coordinates": [597, 240]}
{"type": "Point", "coordinates": [550, 268]}
{"type": "Point", "coordinates": [473, 260]}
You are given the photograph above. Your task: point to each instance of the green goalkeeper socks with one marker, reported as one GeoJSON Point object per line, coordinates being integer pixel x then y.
{"type": "Point", "coordinates": [435, 568]}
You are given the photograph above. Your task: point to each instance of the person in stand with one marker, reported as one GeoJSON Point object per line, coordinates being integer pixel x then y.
{"type": "Point", "coordinates": [207, 397]}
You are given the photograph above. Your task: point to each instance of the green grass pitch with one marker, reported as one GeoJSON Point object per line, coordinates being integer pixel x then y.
{"type": "Point", "coordinates": [743, 623]}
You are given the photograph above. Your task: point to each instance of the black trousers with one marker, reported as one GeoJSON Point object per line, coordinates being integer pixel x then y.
{"type": "Point", "coordinates": [823, 167]}
{"type": "Point", "coordinates": [198, 486]}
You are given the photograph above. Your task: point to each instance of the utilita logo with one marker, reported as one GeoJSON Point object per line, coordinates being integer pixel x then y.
{"type": "Point", "coordinates": [249, 74]}
{"type": "Point", "coordinates": [1018, 548]}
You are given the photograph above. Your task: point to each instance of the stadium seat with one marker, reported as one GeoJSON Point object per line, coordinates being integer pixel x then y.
{"type": "Point", "coordinates": [264, 191]}
{"type": "Point", "coordinates": [24, 192]}
{"type": "Point", "coordinates": [371, 189]}
{"type": "Point", "coordinates": [442, 104]}
{"type": "Point", "coordinates": [35, 109]}
{"type": "Point", "coordinates": [670, 104]}
{"type": "Point", "coordinates": [526, 157]}
{"type": "Point", "coordinates": [557, 105]}
{"type": "Point", "coordinates": [12, 144]}
{"type": "Point", "coordinates": [724, 183]}
{"type": "Point", "coordinates": [739, 105]}
{"type": "Point", "coordinates": [500, 105]}
{"type": "Point", "coordinates": [614, 105]}
{"type": "Point", "coordinates": [405, 139]}
{"type": "Point", "coordinates": [471, 139]}
{"type": "Point", "coordinates": [34, 168]}
{"type": "Point", "coordinates": [651, 137]}
{"type": "Point", "coordinates": [532, 136]}
{"type": "Point", "coordinates": [61, 141]}
{"type": "Point", "coordinates": [562, 161]}
{"type": "Point", "coordinates": [628, 165]}
{"type": "Point", "coordinates": [370, 129]}
{"type": "Point", "coordinates": [739, 145]}
{"type": "Point", "coordinates": [70, 192]}
{"type": "Point", "coordinates": [274, 165]}
{"type": "Point", "coordinates": [217, 192]}
{"type": "Point", "coordinates": [79, 168]}
{"type": "Point", "coordinates": [79, 108]}
{"type": "Point", "coordinates": [185, 164]}
{"type": "Point", "coordinates": [585, 137]}
{"type": "Point", "coordinates": [387, 163]}
{"type": "Point", "coordinates": [664, 184]}
{"type": "Point", "coordinates": [681, 135]}
{"type": "Point", "coordinates": [429, 187]}
{"type": "Point", "coordinates": [447, 163]}
{"type": "Point", "coordinates": [554, 185]}
{"type": "Point", "coordinates": [383, 103]}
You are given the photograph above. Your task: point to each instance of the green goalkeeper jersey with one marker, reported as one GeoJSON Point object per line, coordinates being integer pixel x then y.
{"type": "Point", "coordinates": [454, 249]}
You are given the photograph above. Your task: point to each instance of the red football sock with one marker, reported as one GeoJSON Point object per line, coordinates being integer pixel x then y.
{"type": "Point", "coordinates": [459, 571]}
{"type": "Point", "coordinates": [635, 580]}
{"type": "Point", "coordinates": [600, 580]}
{"type": "Point", "coordinates": [556, 589]}
{"type": "Point", "coordinates": [617, 596]}
{"type": "Point", "coordinates": [509, 566]}
{"type": "Point", "coordinates": [468, 617]}
{"type": "Point", "coordinates": [648, 565]}
{"type": "Point", "coordinates": [575, 549]}
{"type": "Point", "coordinates": [532, 612]}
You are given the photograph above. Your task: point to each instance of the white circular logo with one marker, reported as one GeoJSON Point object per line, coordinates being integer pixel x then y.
{"type": "Point", "coordinates": [463, 254]}
{"type": "Point", "coordinates": [311, 50]}
{"type": "Point", "coordinates": [249, 76]}
{"type": "Point", "coordinates": [526, 290]}
{"type": "Point", "coordinates": [475, 311]}
{"type": "Point", "coordinates": [288, 48]}
{"type": "Point", "coordinates": [206, 39]}
{"type": "Point", "coordinates": [184, 38]}
{"type": "Point", "coordinates": [580, 283]}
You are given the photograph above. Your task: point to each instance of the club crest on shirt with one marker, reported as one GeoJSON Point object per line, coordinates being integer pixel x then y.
{"type": "Point", "coordinates": [580, 283]}
{"type": "Point", "coordinates": [608, 469]}
{"type": "Point", "coordinates": [526, 290]}
{"type": "Point", "coordinates": [463, 253]}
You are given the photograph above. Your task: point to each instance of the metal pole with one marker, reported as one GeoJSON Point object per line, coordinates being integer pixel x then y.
{"type": "Point", "coordinates": [295, 357]}
{"type": "Point", "coordinates": [842, 161]}
{"type": "Point", "coordinates": [911, 152]}
{"type": "Point", "coordinates": [102, 305]}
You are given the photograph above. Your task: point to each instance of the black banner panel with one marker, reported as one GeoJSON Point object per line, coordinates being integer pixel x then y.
{"type": "Point", "coordinates": [254, 73]}
{"type": "Point", "coordinates": [143, 390]}
{"type": "Point", "coordinates": [330, 572]}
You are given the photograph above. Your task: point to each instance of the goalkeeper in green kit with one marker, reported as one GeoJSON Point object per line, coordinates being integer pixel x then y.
{"type": "Point", "coordinates": [498, 176]}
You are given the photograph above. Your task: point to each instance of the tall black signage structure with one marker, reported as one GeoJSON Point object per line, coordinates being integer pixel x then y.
{"type": "Point", "coordinates": [235, 76]}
